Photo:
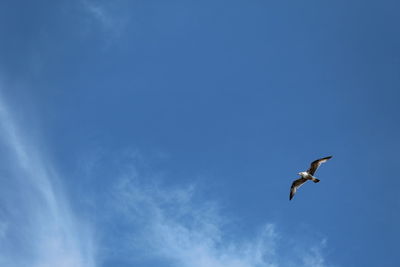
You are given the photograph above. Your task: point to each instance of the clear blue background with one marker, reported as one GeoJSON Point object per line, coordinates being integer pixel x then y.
{"type": "Point", "coordinates": [236, 96]}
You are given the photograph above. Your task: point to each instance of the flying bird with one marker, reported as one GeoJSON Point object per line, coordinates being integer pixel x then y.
{"type": "Point", "coordinates": [307, 175]}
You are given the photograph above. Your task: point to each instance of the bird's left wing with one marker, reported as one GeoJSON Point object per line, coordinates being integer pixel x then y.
{"type": "Point", "coordinates": [296, 184]}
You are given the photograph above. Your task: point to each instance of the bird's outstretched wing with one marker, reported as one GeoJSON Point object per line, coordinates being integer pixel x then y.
{"type": "Point", "coordinates": [316, 163]}
{"type": "Point", "coordinates": [296, 184]}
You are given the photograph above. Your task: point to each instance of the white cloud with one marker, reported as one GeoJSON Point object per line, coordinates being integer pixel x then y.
{"type": "Point", "coordinates": [313, 257]}
{"type": "Point", "coordinates": [174, 225]}
{"type": "Point", "coordinates": [107, 16]}
{"type": "Point", "coordinates": [38, 226]}
{"type": "Point", "coordinates": [99, 13]}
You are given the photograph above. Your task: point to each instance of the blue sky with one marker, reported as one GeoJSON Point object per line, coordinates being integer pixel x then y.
{"type": "Point", "coordinates": [168, 133]}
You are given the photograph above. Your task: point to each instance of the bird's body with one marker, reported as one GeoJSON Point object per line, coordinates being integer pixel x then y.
{"type": "Point", "coordinates": [307, 175]}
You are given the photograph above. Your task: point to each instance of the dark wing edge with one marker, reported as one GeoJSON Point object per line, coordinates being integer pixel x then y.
{"type": "Point", "coordinates": [296, 184]}
{"type": "Point", "coordinates": [316, 163]}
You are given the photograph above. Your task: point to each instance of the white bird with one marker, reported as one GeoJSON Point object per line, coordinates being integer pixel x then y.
{"type": "Point", "coordinates": [307, 175]}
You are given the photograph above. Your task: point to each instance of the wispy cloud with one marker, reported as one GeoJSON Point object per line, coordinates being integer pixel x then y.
{"type": "Point", "coordinates": [37, 226]}
{"type": "Point", "coordinates": [99, 13]}
{"type": "Point", "coordinates": [179, 226]}
{"type": "Point", "coordinates": [107, 16]}
{"type": "Point", "coordinates": [176, 225]}
{"type": "Point", "coordinates": [313, 257]}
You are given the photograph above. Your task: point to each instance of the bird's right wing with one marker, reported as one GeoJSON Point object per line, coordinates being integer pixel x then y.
{"type": "Point", "coordinates": [316, 163]}
{"type": "Point", "coordinates": [296, 184]}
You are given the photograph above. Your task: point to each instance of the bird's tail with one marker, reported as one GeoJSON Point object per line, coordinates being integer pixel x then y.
{"type": "Point", "coordinates": [315, 180]}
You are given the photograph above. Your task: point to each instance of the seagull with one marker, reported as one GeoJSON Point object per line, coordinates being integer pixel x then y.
{"type": "Point", "coordinates": [307, 175]}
